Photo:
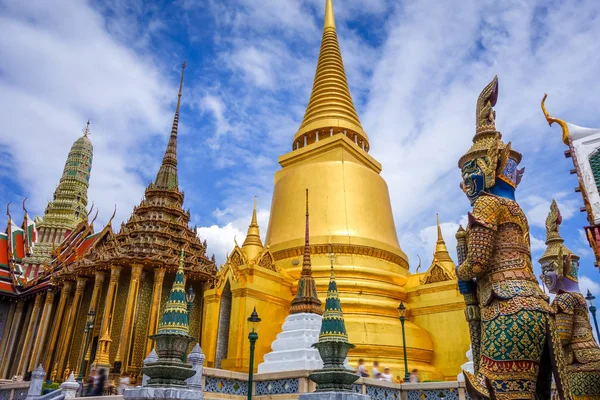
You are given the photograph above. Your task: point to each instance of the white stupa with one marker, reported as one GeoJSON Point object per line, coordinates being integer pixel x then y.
{"type": "Point", "coordinates": [292, 349]}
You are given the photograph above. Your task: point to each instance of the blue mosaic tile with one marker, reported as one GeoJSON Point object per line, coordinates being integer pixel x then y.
{"type": "Point", "coordinates": [449, 394]}
{"type": "Point", "coordinates": [5, 394]}
{"type": "Point", "coordinates": [226, 386]}
{"type": "Point", "coordinates": [20, 394]}
{"type": "Point", "coordinates": [357, 388]}
{"type": "Point", "coordinates": [278, 386]}
{"type": "Point", "coordinates": [381, 393]}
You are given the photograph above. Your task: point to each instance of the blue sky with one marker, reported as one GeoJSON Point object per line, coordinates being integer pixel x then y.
{"type": "Point", "coordinates": [415, 70]}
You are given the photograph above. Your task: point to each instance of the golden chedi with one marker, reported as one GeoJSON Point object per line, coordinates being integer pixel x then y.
{"type": "Point", "coordinates": [351, 212]}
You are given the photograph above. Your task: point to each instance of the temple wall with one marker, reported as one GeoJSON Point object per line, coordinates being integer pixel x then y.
{"type": "Point", "coordinates": [439, 309]}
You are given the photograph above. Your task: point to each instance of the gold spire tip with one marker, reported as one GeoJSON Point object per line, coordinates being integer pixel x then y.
{"type": "Point", "coordinates": [329, 17]}
{"type": "Point", "coordinates": [439, 228]}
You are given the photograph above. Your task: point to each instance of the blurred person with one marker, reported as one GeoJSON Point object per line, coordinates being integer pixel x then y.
{"type": "Point", "coordinates": [414, 376]}
{"type": "Point", "coordinates": [124, 382]}
{"type": "Point", "coordinates": [375, 370]}
{"type": "Point", "coordinates": [100, 383]}
{"type": "Point", "coordinates": [362, 370]}
{"type": "Point", "coordinates": [386, 375]}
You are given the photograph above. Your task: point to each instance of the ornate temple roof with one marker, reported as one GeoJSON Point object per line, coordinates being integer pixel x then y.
{"type": "Point", "coordinates": [158, 228]}
{"type": "Point", "coordinates": [330, 108]}
{"type": "Point", "coordinates": [333, 327]}
{"type": "Point", "coordinates": [306, 300]}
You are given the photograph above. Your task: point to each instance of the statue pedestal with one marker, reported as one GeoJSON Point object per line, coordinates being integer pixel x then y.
{"type": "Point", "coordinates": [140, 393]}
{"type": "Point", "coordinates": [292, 350]}
{"type": "Point", "coordinates": [334, 396]}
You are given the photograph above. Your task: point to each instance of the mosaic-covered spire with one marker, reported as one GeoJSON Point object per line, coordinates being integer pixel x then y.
{"type": "Point", "coordinates": [333, 327]}
{"type": "Point", "coordinates": [306, 300]}
{"type": "Point", "coordinates": [175, 318]}
{"type": "Point", "coordinates": [68, 205]}
{"type": "Point", "coordinates": [167, 174]}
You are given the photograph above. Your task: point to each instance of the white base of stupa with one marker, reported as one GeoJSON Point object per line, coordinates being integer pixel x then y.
{"type": "Point", "coordinates": [292, 349]}
{"type": "Point", "coordinates": [468, 366]}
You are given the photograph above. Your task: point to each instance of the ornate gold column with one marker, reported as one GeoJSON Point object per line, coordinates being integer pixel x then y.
{"type": "Point", "coordinates": [98, 281]}
{"type": "Point", "coordinates": [103, 352]}
{"type": "Point", "coordinates": [67, 286]}
{"type": "Point", "coordinates": [42, 330]}
{"type": "Point", "coordinates": [29, 327]}
{"type": "Point", "coordinates": [136, 272]}
{"type": "Point", "coordinates": [159, 276]}
{"type": "Point", "coordinates": [10, 344]}
{"type": "Point", "coordinates": [70, 323]}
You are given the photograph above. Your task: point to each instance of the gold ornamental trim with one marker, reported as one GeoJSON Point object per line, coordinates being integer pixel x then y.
{"type": "Point", "coordinates": [342, 249]}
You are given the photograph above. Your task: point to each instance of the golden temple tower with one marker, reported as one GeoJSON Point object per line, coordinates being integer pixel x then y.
{"type": "Point", "coordinates": [351, 211]}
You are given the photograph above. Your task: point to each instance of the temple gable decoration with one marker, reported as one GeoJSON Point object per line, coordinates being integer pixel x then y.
{"type": "Point", "coordinates": [442, 267]}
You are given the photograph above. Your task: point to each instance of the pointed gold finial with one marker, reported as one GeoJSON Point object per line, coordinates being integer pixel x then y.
{"type": "Point", "coordinates": [551, 120]}
{"type": "Point", "coordinates": [441, 251]}
{"type": "Point", "coordinates": [329, 17]}
{"type": "Point", "coordinates": [252, 245]}
{"type": "Point", "coordinates": [330, 110]}
{"type": "Point", "coordinates": [254, 220]}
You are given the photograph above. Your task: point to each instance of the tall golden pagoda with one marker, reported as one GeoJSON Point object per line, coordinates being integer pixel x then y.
{"type": "Point", "coordinates": [351, 216]}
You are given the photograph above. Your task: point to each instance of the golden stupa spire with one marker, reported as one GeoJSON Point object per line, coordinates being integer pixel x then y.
{"type": "Point", "coordinates": [330, 110]}
{"type": "Point", "coordinates": [167, 174]}
{"type": "Point", "coordinates": [441, 251]}
{"type": "Point", "coordinates": [252, 244]}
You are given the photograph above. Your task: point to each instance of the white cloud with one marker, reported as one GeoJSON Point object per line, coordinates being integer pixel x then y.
{"type": "Point", "coordinates": [59, 68]}
{"type": "Point", "coordinates": [586, 284]}
{"type": "Point", "coordinates": [220, 240]}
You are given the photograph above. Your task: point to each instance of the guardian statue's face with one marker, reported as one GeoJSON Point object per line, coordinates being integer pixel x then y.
{"type": "Point", "coordinates": [550, 279]}
{"type": "Point", "coordinates": [473, 180]}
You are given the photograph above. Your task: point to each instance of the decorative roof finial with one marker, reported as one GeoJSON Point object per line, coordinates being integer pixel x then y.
{"type": "Point", "coordinates": [252, 244]}
{"type": "Point", "coordinates": [167, 174]}
{"type": "Point", "coordinates": [86, 130]}
{"type": "Point", "coordinates": [551, 120]}
{"type": "Point", "coordinates": [306, 300]}
{"type": "Point", "coordinates": [8, 211]}
{"type": "Point", "coordinates": [441, 251]}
